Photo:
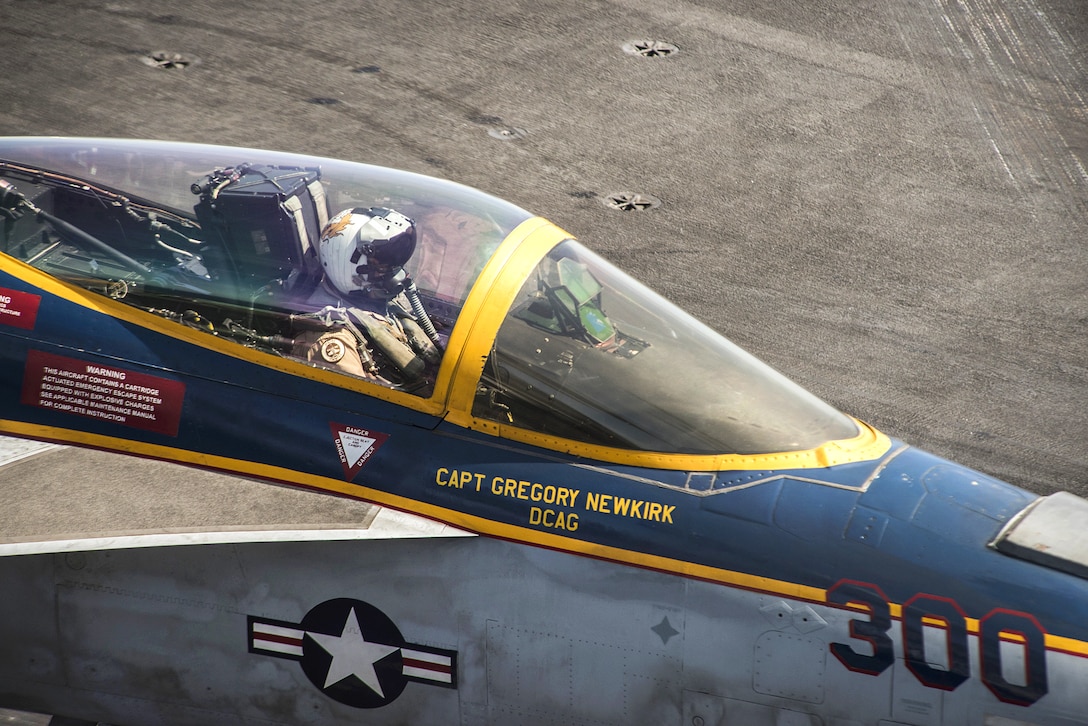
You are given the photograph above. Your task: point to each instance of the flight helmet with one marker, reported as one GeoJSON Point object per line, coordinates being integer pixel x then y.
{"type": "Point", "coordinates": [364, 250]}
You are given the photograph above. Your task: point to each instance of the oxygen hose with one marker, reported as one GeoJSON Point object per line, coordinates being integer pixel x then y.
{"type": "Point", "coordinates": [412, 293]}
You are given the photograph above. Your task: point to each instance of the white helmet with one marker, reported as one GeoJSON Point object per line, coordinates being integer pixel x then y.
{"type": "Point", "coordinates": [362, 249]}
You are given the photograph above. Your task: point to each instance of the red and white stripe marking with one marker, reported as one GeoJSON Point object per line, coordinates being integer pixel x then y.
{"type": "Point", "coordinates": [277, 639]}
{"type": "Point", "coordinates": [427, 666]}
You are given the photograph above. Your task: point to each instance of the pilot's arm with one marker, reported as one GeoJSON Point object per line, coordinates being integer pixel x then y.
{"type": "Point", "coordinates": [362, 254]}
{"type": "Point", "coordinates": [338, 349]}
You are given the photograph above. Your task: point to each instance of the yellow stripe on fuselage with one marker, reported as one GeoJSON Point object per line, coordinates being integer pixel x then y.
{"type": "Point", "coordinates": [480, 525]}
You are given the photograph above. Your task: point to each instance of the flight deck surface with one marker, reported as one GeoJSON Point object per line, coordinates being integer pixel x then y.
{"type": "Point", "coordinates": [885, 202]}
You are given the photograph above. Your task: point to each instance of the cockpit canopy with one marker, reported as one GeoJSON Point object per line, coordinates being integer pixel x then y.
{"type": "Point", "coordinates": [587, 353]}
{"type": "Point", "coordinates": [225, 240]}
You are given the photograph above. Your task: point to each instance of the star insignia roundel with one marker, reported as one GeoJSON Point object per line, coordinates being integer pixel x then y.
{"type": "Point", "coordinates": [360, 665]}
{"type": "Point", "coordinates": [353, 653]}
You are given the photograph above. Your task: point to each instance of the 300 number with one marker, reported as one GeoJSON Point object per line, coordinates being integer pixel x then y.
{"type": "Point", "coordinates": [875, 630]}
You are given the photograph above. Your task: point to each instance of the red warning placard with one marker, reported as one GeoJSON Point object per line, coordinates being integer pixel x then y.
{"type": "Point", "coordinates": [103, 392]}
{"type": "Point", "coordinates": [18, 309]}
{"type": "Point", "coordinates": [355, 446]}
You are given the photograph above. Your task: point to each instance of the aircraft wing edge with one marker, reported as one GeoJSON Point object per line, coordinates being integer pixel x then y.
{"type": "Point", "coordinates": [386, 524]}
{"type": "Point", "coordinates": [13, 449]}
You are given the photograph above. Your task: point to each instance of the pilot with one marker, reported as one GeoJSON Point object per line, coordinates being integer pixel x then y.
{"type": "Point", "coordinates": [367, 319]}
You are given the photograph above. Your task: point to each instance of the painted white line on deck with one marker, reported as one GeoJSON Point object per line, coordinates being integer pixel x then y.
{"type": "Point", "coordinates": [12, 449]}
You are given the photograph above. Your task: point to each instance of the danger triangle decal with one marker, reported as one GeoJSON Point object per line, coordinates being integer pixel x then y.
{"type": "Point", "coordinates": [355, 446]}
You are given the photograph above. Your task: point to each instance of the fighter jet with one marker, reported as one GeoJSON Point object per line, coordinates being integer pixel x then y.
{"type": "Point", "coordinates": [590, 508]}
